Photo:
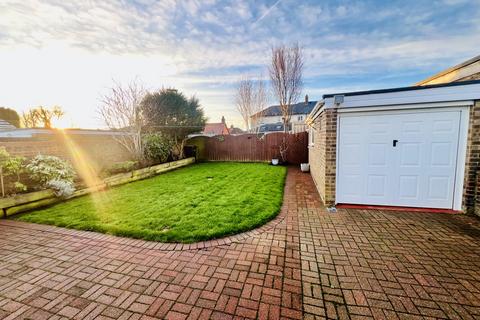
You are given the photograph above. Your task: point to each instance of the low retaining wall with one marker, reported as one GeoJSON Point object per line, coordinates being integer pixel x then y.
{"type": "Point", "coordinates": [99, 149]}
{"type": "Point", "coordinates": [38, 199]}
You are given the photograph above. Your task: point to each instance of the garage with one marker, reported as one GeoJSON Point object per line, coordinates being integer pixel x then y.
{"type": "Point", "coordinates": [403, 158]}
{"type": "Point", "coordinates": [410, 147]}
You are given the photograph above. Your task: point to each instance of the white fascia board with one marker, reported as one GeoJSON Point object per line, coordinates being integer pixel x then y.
{"type": "Point", "coordinates": [418, 96]}
{"type": "Point", "coordinates": [466, 103]}
{"type": "Point", "coordinates": [319, 106]}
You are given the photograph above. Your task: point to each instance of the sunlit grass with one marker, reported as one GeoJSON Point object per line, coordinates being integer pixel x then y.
{"type": "Point", "coordinates": [200, 202]}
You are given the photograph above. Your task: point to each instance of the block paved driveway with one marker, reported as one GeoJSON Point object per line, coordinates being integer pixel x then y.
{"type": "Point", "coordinates": [307, 263]}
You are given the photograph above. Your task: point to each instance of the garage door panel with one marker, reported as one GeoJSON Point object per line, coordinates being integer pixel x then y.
{"type": "Point", "coordinates": [351, 128]}
{"type": "Point", "coordinates": [353, 150]}
{"type": "Point", "coordinates": [438, 188]}
{"type": "Point", "coordinates": [379, 128]}
{"type": "Point", "coordinates": [443, 126]}
{"type": "Point", "coordinates": [377, 154]}
{"type": "Point", "coordinates": [410, 154]}
{"type": "Point", "coordinates": [441, 154]}
{"type": "Point", "coordinates": [412, 127]}
{"type": "Point", "coordinates": [409, 187]}
{"type": "Point", "coordinates": [418, 172]}
{"type": "Point", "coordinates": [351, 192]}
{"type": "Point", "coordinates": [376, 185]}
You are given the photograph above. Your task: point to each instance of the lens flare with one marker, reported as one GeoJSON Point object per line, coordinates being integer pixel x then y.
{"type": "Point", "coordinates": [84, 168]}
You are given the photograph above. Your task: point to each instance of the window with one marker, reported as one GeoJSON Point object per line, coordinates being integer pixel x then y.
{"type": "Point", "coordinates": [300, 118]}
{"type": "Point", "coordinates": [311, 137]}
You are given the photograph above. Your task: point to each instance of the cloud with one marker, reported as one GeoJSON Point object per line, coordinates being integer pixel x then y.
{"type": "Point", "coordinates": [267, 12]}
{"type": "Point", "coordinates": [203, 47]}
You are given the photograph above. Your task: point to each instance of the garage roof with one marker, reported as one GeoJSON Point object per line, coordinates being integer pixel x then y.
{"type": "Point", "coordinates": [449, 94]}
{"type": "Point", "coordinates": [410, 88]}
{"type": "Point", "coordinates": [467, 70]}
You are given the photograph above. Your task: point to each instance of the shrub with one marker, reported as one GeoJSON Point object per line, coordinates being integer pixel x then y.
{"type": "Point", "coordinates": [19, 187]}
{"type": "Point", "coordinates": [157, 147]}
{"type": "Point", "coordinates": [43, 169]}
{"type": "Point", "coordinates": [11, 166]}
{"type": "Point", "coordinates": [14, 166]}
{"type": "Point", "coordinates": [62, 188]}
{"type": "Point", "coordinates": [121, 167]}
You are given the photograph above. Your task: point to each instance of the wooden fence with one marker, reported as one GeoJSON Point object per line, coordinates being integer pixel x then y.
{"type": "Point", "coordinates": [251, 147]}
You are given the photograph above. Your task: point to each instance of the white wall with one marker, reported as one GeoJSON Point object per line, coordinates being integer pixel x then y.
{"type": "Point", "coordinates": [297, 121]}
{"type": "Point", "coordinates": [297, 118]}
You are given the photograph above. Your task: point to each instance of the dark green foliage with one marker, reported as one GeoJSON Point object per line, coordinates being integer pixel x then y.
{"type": "Point", "coordinates": [200, 202]}
{"type": "Point", "coordinates": [171, 113]}
{"type": "Point", "coordinates": [10, 115]}
{"type": "Point", "coordinates": [157, 147]}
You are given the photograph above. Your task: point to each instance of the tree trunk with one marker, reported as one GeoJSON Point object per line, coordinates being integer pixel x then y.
{"type": "Point", "coordinates": [1, 182]}
{"type": "Point", "coordinates": [284, 143]}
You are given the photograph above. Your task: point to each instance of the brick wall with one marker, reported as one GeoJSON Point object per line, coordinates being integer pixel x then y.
{"type": "Point", "coordinates": [477, 197]}
{"type": "Point", "coordinates": [99, 150]}
{"type": "Point", "coordinates": [472, 165]}
{"type": "Point", "coordinates": [322, 155]}
{"type": "Point", "coordinates": [316, 153]}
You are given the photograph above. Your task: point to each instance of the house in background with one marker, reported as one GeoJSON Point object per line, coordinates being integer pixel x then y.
{"type": "Point", "coordinates": [235, 130]}
{"type": "Point", "coordinates": [465, 71]}
{"type": "Point", "coordinates": [409, 147]}
{"type": "Point", "coordinates": [274, 127]}
{"type": "Point", "coordinates": [215, 129]}
{"type": "Point", "coordinates": [270, 119]}
{"type": "Point", "coordinates": [5, 125]}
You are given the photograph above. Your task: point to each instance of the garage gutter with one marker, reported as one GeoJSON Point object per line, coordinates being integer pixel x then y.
{"type": "Point", "coordinates": [439, 95]}
{"type": "Point", "coordinates": [444, 93]}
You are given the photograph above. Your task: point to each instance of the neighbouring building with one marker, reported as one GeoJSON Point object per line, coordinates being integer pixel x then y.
{"type": "Point", "coordinates": [270, 119]}
{"type": "Point", "coordinates": [235, 130]}
{"type": "Point", "coordinates": [415, 146]}
{"type": "Point", "coordinates": [468, 70]}
{"type": "Point", "coordinates": [214, 129]}
{"type": "Point", "coordinates": [274, 127]}
{"type": "Point", "coordinates": [5, 125]}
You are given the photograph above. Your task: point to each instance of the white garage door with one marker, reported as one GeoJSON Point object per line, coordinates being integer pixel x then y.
{"type": "Point", "coordinates": [398, 159]}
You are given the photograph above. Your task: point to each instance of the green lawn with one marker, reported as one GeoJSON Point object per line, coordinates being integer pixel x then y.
{"type": "Point", "coordinates": [199, 202]}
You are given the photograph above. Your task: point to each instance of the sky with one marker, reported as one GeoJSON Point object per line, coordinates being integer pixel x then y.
{"type": "Point", "coordinates": [68, 53]}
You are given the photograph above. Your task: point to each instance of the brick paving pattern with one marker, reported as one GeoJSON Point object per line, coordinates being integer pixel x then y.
{"type": "Point", "coordinates": [307, 263]}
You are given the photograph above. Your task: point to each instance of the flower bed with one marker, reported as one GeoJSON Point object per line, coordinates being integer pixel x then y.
{"type": "Point", "coordinates": [33, 200]}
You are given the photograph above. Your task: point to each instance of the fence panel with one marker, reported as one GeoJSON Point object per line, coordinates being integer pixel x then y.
{"type": "Point", "coordinates": [251, 147]}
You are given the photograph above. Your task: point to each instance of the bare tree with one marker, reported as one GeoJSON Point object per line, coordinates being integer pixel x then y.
{"type": "Point", "coordinates": [244, 100]}
{"type": "Point", "coordinates": [260, 103]}
{"type": "Point", "coordinates": [121, 111]}
{"type": "Point", "coordinates": [30, 119]}
{"type": "Point", "coordinates": [250, 101]}
{"type": "Point", "coordinates": [41, 115]}
{"type": "Point", "coordinates": [286, 70]}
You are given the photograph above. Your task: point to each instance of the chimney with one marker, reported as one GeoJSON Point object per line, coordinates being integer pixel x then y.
{"type": "Point", "coordinates": [306, 99]}
{"type": "Point", "coordinates": [223, 119]}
